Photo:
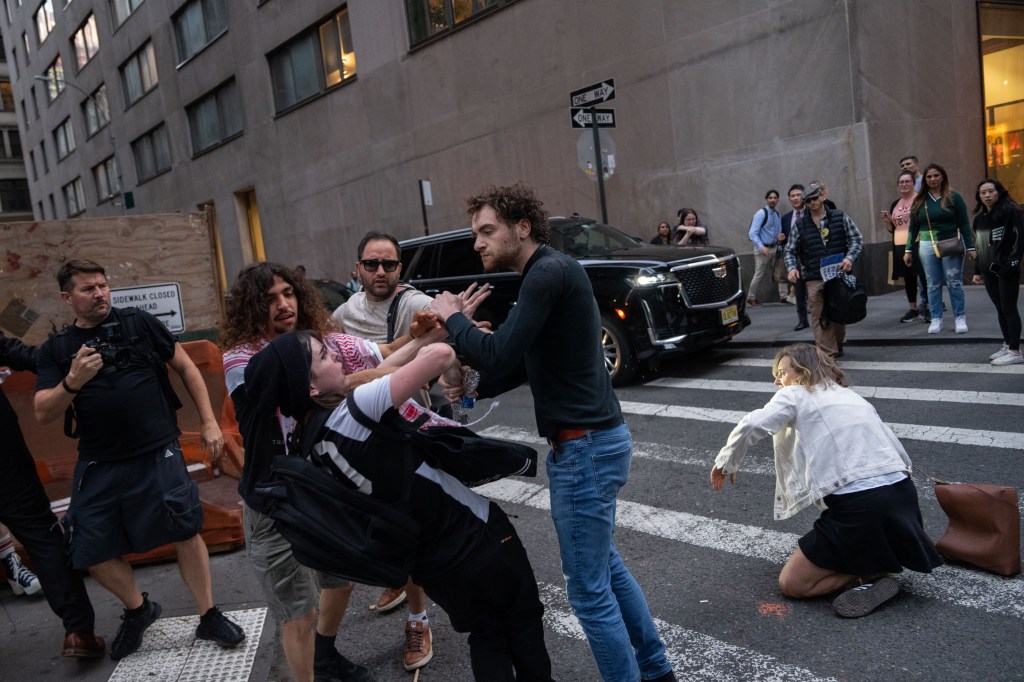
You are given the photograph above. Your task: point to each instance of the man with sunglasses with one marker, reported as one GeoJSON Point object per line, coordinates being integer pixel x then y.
{"type": "Point", "coordinates": [367, 313]}
{"type": "Point", "coordinates": [382, 312]}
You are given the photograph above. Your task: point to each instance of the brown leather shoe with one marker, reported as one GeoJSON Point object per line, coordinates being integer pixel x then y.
{"type": "Point", "coordinates": [80, 645]}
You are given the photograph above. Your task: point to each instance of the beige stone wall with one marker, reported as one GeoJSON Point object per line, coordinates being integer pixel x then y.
{"type": "Point", "coordinates": [137, 250]}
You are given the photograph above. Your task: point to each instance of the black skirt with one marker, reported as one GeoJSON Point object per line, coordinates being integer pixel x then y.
{"type": "Point", "coordinates": [872, 531]}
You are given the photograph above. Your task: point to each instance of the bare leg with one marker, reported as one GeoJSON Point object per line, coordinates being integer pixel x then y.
{"type": "Point", "coordinates": [417, 598]}
{"type": "Point", "coordinates": [297, 639]}
{"type": "Point", "coordinates": [115, 576]}
{"type": "Point", "coordinates": [801, 579]}
{"type": "Point", "coordinates": [194, 566]}
{"type": "Point", "coordinates": [333, 604]}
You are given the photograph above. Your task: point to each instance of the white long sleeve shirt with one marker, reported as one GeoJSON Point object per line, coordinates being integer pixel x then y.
{"type": "Point", "coordinates": [824, 439]}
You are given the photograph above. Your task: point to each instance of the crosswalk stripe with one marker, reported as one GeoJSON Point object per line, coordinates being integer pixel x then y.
{"type": "Point", "coordinates": [694, 656]}
{"type": "Point", "coordinates": [935, 434]}
{"type": "Point", "coordinates": [879, 392]}
{"type": "Point", "coordinates": [963, 367]}
{"type": "Point", "coordinates": [952, 584]}
{"type": "Point", "coordinates": [680, 454]}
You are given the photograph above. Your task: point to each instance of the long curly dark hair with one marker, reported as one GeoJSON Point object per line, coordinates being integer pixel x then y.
{"type": "Point", "coordinates": [247, 306]}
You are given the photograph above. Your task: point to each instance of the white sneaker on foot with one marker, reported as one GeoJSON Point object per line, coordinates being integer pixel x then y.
{"type": "Point", "coordinates": [1002, 351]}
{"type": "Point", "coordinates": [961, 325]}
{"type": "Point", "coordinates": [1009, 358]}
{"type": "Point", "coordinates": [936, 325]}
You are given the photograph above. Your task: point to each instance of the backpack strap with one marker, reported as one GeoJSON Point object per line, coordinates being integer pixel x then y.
{"type": "Point", "coordinates": [134, 335]}
{"type": "Point", "coordinates": [392, 312]}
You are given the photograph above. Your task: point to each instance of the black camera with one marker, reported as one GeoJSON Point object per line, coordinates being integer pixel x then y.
{"type": "Point", "coordinates": [111, 347]}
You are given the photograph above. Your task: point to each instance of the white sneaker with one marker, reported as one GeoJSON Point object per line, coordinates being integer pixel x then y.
{"type": "Point", "coordinates": [21, 580]}
{"type": "Point", "coordinates": [1008, 359]}
{"type": "Point", "coordinates": [961, 325]}
{"type": "Point", "coordinates": [936, 325]}
{"type": "Point", "coordinates": [1002, 351]}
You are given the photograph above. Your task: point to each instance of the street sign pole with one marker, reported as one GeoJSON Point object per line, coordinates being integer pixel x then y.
{"type": "Point", "coordinates": [597, 164]}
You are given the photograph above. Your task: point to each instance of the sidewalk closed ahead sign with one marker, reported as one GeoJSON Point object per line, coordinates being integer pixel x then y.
{"type": "Point", "coordinates": [163, 301]}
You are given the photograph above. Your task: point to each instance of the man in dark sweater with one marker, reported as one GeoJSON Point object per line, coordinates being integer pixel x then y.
{"type": "Point", "coordinates": [552, 339]}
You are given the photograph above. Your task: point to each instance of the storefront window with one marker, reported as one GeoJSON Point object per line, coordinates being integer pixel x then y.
{"type": "Point", "coordinates": [1002, 49]}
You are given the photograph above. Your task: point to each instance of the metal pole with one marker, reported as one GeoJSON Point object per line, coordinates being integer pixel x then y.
{"type": "Point", "coordinates": [423, 206]}
{"type": "Point", "coordinates": [597, 164]}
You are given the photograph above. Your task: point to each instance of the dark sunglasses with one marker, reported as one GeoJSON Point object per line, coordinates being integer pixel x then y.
{"type": "Point", "coordinates": [372, 265]}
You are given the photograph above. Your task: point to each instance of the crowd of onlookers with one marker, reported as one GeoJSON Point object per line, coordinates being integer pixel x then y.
{"type": "Point", "coordinates": [936, 241]}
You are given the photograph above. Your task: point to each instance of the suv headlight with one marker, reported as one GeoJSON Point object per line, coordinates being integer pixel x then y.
{"type": "Point", "coordinates": [650, 280]}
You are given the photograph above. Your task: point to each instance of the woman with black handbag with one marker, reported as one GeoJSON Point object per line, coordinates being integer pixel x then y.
{"type": "Point", "coordinates": [939, 217]}
{"type": "Point", "coordinates": [832, 450]}
{"type": "Point", "coordinates": [999, 226]}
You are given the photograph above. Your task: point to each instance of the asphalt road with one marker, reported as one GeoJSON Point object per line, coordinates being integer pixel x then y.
{"type": "Point", "coordinates": [707, 561]}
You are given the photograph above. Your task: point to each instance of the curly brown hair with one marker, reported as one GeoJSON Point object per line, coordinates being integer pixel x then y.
{"type": "Point", "coordinates": [247, 306]}
{"type": "Point", "coordinates": [512, 204]}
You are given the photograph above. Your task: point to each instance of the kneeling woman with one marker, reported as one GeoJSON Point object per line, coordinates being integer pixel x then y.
{"type": "Point", "coordinates": [833, 450]}
{"type": "Point", "coordinates": [469, 559]}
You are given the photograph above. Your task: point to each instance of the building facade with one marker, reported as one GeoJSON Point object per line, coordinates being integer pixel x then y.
{"type": "Point", "coordinates": [15, 201]}
{"type": "Point", "coordinates": [300, 125]}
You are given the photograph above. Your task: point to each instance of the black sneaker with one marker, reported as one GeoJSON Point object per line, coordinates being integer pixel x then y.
{"type": "Point", "coordinates": [860, 601]}
{"type": "Point", "coordinates": [909, 315]}
{"type": "Point", "coordinates": [216, 627]}
{"type": "Point", "coordinates": [337, 668]}
{"type": "Point", "coordinates": [129, 635]}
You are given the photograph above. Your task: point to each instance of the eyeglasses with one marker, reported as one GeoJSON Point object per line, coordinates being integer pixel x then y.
{"type": "Point", "coordinates": [371, 265]}
{"type": "Point", "coordinates": [808, 200]}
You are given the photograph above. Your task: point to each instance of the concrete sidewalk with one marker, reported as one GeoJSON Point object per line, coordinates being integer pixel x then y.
{"type": "Point", "coordinates": [772, 324]}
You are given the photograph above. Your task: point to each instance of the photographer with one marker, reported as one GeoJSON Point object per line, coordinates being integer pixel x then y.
{"type": "Point", "coordinates": [106, 376]}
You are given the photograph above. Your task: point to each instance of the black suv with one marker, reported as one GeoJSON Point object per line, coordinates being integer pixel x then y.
{"type": "Point", "coordinates": [653, 299]}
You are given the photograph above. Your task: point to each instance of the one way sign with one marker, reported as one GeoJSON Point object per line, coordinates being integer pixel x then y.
{"type": "Point", "coordinates": [581, 118]}
{"type": "Point", "coordinates": [593, 94]}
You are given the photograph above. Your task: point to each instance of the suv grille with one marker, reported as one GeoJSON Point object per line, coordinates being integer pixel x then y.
{"type": "Point", "coordinates": [702, 287]}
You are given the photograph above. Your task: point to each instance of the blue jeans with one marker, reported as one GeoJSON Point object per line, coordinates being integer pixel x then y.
{"type": "Point", "coordinates": [585, 476]}
{"type": "Point", "coordinates": [949, 269]}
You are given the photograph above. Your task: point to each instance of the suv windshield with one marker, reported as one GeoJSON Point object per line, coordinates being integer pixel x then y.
{"type": "Point", "coordinates": [586, 240]}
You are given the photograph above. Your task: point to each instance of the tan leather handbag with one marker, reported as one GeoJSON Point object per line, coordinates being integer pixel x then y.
{"type": "Point", "coordinates": [984, 525]}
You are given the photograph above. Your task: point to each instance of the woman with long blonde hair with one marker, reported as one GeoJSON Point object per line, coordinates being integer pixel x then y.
{"type": "Point", "coordinates": [832, 450]}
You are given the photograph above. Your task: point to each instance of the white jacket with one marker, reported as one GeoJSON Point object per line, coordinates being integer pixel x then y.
{"type": "Point", "coordinates": [824, 439]}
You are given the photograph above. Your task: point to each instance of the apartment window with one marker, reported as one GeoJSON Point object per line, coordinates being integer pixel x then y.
{"type": "Point", "coordinates": [42, 155]}
{"type": "Point", "coordinates": [105, 175]}
{"type": "Point", "coordinates": [7, 8]}
{"type": "Point", "coordinates": [44, 20]}
{"type": "Point", "coordinates": [74, 197]}
{"type": "Point", "coordinates": [430, 18]}
{"type": "Point", "coordinates": [3, 51]}
{"type": "Point", "coordinates": [197, 24]}
{"type": "Point", "coordinates": [55, 79]}
{"type": "Point", "coordinates": [86, 42]}
{"type": "Point", "coordinates": [122, 9]}
{"type": "Point", "coordinates": [215, 117]}
{"type": "Point", "coordinates": [14, 61]}
{"type": "Point", "coordinates": [138, 74]}
{"type": "Point", "coordinates": [6, 96]}
{"type": "Point", "coordinates": [152, 153]}
{"type": "Point", "coordinates": [318, 59]}
{"type": "Point", "coordinates": [14, 195]}
{"type": "Point", "coordinates": [64, 137]}
{"type": "Point", "coordinates": [10, 144]}
{"type": "Point", "coordinates": [96, 111]}
{"type": "Point", "coordinates": [32, 163]}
